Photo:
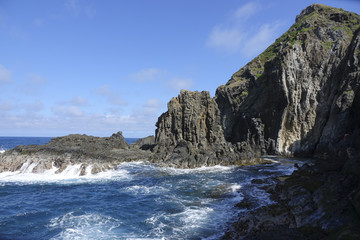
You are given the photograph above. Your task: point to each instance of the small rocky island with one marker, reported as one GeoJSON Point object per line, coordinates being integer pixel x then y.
{"type": "Point", "coordinates": [300, 97]}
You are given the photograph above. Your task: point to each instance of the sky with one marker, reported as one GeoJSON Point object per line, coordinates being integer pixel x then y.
{"type": "Point", "coordinates": [98, 67]}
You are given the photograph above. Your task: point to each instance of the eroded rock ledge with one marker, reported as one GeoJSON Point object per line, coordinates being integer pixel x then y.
{"type": "Point", "coordinates": [316, 202]}
{"type": "Point", "coordinates": [99, 153]}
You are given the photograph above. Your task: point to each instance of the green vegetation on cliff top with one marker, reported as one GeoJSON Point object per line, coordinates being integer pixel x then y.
{"type": "Point", "coordinates": [315, 16]}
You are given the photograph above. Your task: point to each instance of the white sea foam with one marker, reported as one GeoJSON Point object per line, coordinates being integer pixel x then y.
{"type": "Point", "coordinates": [28, 167]}
{"type": "Point", "coordinates": [86, 226]}
{"type": "Point", "coordinates": [181, 224]}
{"type": "Point", "coordinates": [203, 169]}
{"type": "Point", "coordinates": [271, 160]}
{"type": "Point", "coordinates": [285, 170]}
{"type": "Point", "coordinates": [261, 196]}
{"type": "Point", "coordinates": [235, 187]}
{"type": "Point", "coordinates": [72, 174]}
{"type": "Point", "coordinates": [146, 190]}
{"type": "Point", "coordinates": [195, 217]}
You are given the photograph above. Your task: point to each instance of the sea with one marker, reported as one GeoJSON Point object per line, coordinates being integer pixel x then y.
{"type": "Point", "coordinates": [137, 200]}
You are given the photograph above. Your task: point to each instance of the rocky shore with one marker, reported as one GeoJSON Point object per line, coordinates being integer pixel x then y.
{"type": "Point", "coordinates": [99, 153]}
{"type": "Point", "coordinates": [320, 201]}
{"type": "Point", "coordinates": [300, 97]}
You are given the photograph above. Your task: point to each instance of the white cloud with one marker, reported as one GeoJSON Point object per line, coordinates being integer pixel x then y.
{"type": "Point", "coordinates": [181, 83]}
{"type": "Point", "coordinates": [246, 11]}
{"type": "Point", "coordinates": [111, 96]}
{"type": "Point", "coordinates": [6, 106]}
{"type": "Point", "coordinates": [24, 119]}
{"type": "Point", "coordinates": [229, 39]}
{"type": "Point", "coordinates": [68, 111]}
{"type": "Point", "coordinates": [153, 103]}
{"type": "Point", "coordinates": [150, 110]}
{"type": "Point", "coordinates": [261, 40]}
{"type": "Point", "coordinates": [240, 33]}
{"type": "Point", "coordinates": [148, 74]}
{"type": "Point", "coordinates": [79, 101]}
{"type": "Point", "coordinates": [229, 36]}
{"type": "Point", "coordinates": [14, 107]}
{"type": "Point", "coordinates": [5, 75]}
{"type": "Point", "coordinates": [34, 84]}
{"type": "Point", "coordinates": [33, 107]}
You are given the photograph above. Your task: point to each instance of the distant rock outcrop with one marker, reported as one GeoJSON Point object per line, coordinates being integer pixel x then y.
{"type": "Point", "coordinates": [98, 153]}
{"type": "Point", "coordinates": [299, 97]}
{"type": "Point", "coordinates": [146, 143]}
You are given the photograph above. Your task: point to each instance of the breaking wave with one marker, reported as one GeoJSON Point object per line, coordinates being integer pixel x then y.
{"type": "Point", "coordinates": [132, 201]}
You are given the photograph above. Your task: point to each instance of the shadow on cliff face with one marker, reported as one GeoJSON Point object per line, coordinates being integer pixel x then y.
{"type": "Point", "coordinates": [249, 111]}
{"type": "Point", "coordinates": [296, 97]}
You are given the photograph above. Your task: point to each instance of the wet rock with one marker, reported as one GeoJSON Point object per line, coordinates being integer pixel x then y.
{"type": "Point", "coordinates": [102, 153]}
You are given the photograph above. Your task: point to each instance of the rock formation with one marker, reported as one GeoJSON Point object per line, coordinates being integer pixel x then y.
{"type": "Point", "coordinates": [146, 143]}
{"type": "Point", "coordinates": [189, 134]}
{"type": "Point", "coordinates": [313, 70]}
{"type": "Point", "coordinates": [299, 97]}
{"type": "Point", "coordinates": [98, 153]}
{"type": "Point", "coordinates": [321, 201]}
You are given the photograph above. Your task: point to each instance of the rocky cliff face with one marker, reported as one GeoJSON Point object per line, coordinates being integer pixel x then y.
{"type": "Point", "coordinates": [299, 97]}
{"type": "Point", "coordinates": [189, 134]}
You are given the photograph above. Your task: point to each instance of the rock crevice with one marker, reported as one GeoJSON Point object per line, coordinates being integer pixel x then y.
{"type": "Point", "coordinates": [293, 99]}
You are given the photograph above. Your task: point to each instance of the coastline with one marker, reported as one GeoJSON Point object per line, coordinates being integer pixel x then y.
{"type": "Point", "coordinates": [320, 201]}
{"type": "Point", "coordinates": [299, 211]}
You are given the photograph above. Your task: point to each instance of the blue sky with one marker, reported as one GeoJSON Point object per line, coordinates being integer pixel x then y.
{"type": "Point", "coordinates": [98, 67]}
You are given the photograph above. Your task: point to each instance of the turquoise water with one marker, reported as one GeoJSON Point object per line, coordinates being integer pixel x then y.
{"type": "Point", "coordinates": [135, 201]}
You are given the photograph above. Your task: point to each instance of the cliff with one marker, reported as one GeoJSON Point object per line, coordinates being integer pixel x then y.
{"type": "Point", "coordinates": [303, 92]}
{"type": "Point", "coordinates": [188, 135]}
{"type": "Point", "coordinates": [299, 97]}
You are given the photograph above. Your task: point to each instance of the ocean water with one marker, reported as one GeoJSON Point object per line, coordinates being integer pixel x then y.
{"type": "Point", "coordinates": [135, 201]}
{"type": "Point", "coordinates": [7, 143]}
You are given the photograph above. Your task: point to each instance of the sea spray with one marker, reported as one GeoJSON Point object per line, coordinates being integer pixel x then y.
{"type": "Point", "coordinates": [133, 200]}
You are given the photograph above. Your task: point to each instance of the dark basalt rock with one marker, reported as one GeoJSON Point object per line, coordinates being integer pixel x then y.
{"type": "Point", "coordinates": [102, 153]}
{"type": "Point", "coordinates": [315, 202]}
{"type": "Point", "coordinates": [188, 135]}
{"type": "Point", "coordinates": [298, 98]}
{"type": "Point", "coordinates": [86, 143]}
{"type": "Point", "coordinates": [147, 143]}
